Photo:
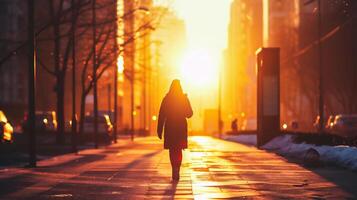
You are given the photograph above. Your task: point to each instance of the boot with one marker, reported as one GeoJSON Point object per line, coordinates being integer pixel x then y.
{"type": "Point", "coordinates": [175, 173]}
{"type": "Point", "coordinates": [178, 173]}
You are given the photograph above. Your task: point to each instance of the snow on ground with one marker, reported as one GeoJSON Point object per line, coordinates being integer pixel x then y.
{"type": "Point", "coordinates": [244, 139]}
{"type": "Point", "coordinates": [344, 156]}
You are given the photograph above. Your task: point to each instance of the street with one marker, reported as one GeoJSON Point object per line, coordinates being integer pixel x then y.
{"type": "Point", "coordinates": [87, 88]}
{"type": "Point", "coordinates": [211, 169]}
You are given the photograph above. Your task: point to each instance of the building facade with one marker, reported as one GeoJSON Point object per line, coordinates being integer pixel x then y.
{"type": "Point", "coordinates": [13, 67]}
{"type": "Point", "coordinates": [239, 83]}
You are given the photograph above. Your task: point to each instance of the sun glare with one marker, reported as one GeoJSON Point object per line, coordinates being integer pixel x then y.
{"type": "Point", "coordinates": [120, 64]}
{"type": "Point", "coordinates": [199, 69]}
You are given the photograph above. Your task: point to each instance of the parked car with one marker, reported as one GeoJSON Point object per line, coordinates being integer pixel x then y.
{"type": "Point", "coordinates": [45, 121]}
{"type": "Point", "coordinates": [6, 130]}
{"type": "Point", "coordinates": [330, 122]}
{"type": "Point", "coordinates": [345, 125]}
{"type": "Point", "coordinates": [106, 112]}
{"type": "Point", "coordinates": [105, 127]}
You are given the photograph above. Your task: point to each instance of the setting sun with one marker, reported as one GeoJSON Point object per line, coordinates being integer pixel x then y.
{"type": "Point", "coordinates": [199, 64]}
{"type": "Point", "coordinates": [199, 69]}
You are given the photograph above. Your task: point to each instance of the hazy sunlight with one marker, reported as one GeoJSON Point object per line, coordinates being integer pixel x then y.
{"type": "Point", "coordinates": [199, 69]}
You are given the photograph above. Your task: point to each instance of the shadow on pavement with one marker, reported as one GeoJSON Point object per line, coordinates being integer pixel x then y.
{"type": "Point", "coordinates": [21, 181]}
{"type": "Point", "coordinates": [343, 178]}
{"type": "Point", "coordinates": [171, 190]}
{"type": "Point", "coordinates": [100, 183]}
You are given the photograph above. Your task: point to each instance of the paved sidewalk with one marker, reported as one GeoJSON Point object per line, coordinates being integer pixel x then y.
{"type": "Point", "coordinates": [212, 169]}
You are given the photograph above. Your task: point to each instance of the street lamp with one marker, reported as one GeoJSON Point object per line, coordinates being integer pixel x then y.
{"type": "Point", "coordinates": [95, 95]}
{"type": "Point", "coordinates": [115, 120]}
{"type": "Point", "coordinates": [219, 104]}
{"type": "Point", "coordinates": [31, 84]}
{"type": "Point", "coordinates": [321, 78]}
{"type": "Point", "coordinates": [74, 118]}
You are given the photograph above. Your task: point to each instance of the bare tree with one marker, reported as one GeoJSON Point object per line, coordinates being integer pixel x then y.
{"type": "Point", "coordinates": [108, 50]}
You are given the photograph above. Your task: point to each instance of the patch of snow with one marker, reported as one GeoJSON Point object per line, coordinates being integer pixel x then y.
{"type": "Point", "coordinates": [344, 156]}
{"type": "Point", "coordinates": [244, 139]}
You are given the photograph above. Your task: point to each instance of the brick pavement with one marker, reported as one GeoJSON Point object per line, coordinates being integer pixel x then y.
{"type": "Point", "coordinates": [212, 169]}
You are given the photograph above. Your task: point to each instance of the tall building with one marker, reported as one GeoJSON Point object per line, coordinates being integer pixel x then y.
{"type": "Point", "coordinates": [239, 83]}
{"type": "Point", "coordinates": [294, 27]}
{"type": "Point", "coordinates": [138, 27]}
{"type": "Point", "coordinates": [255, 24]}
{"type": "Point", "coordinates": [339, 60]}
{"type": "Point", "coordinates": [144, 21]}
{"type": "Point", "coordinates": [13, 69]}
{"type": "Point", "coordinates": [129, 60]}
{"type": "Point", "coordinates": [280, 27]}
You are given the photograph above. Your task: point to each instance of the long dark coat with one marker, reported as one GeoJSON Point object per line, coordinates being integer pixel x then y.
{"type": "Point", "coordinates": [174, 110]}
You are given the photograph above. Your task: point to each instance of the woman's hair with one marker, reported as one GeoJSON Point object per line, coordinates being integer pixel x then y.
{"type": "Point", "coordinates": [175, 87]}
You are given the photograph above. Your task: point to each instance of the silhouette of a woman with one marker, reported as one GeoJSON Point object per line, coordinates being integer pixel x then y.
{"type": "Point", "coordinates": [174, 109]}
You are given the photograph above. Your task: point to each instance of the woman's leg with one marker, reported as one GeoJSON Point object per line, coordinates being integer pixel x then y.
{"type": "Point", "coordinates": [175, 159]}
{"type": "Point", "coordinates": [179, 157]}
{"type": "Point", "coordinates": [172, 157]}
{"type": "Point", "coordinates": [173, 163]}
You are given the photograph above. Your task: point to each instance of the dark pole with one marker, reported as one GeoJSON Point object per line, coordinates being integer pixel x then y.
{"type": "Point", "coordinates": [353, 51]}
{"type": "Point", "coordinates": [321, 77]}
{"type": "Point", "coordinates": [115, 120]}
{"type": "Point", "coordinates": [74, 118]}
{"type": "Point", "coordinates": [219, 105]}
{"type": "Point", "coordinates": [129, 54]}
{"type": "Point", "coordinates": [144, 105]}
{"type": "Point", "coordinates": [150, 92]}
{"type": "Point", "coordinates": [31, 84]}
{"type": "Point", "coordinates": [109, 97]}
{"type": "Point", "coordinates": [132, 103]}
{"type": "Point", "coordinates": [95, 100]}
{"type": "Point", "coordinates": [156, 102]}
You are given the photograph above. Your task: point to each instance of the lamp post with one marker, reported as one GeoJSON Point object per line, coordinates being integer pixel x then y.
{"type": "Point", "coordinates": [74, 118]}
{"type": "Point", "coordinates": [132, 110]}
{"type": "Point", "coordinates": [115, 117]}
{"type": "Point", "coordinates": [146, 66]}
{"type": "Point", "coordinates": [95, 97]}
{"type": "Point", "coordinates": [321, 76]}
{"type": "Point", "coordinates": [219, 105]}
{"type": "Point", "coordinates": [128, 19]}
{"type": "Point", "coordinates": [115, 120]}
{"type": "Point", "coordinates": [31, 84]}
{"type": "Point", "coordinates": [109, 90]}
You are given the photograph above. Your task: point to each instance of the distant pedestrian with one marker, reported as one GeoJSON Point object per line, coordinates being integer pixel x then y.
{"type": "Point", "coordinates": [234, 125]}
{"type": "Point", "coordinates": [174, 109]}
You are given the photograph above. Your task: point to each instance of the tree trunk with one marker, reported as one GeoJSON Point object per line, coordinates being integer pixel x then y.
{"type": "Point", "coordinates": [60, 109]}
{"type": "Point", "coordinates": [82, 113]}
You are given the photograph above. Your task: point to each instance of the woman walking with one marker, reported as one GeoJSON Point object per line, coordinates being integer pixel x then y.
{"type": "Point", "coordinates": [174, 109]}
